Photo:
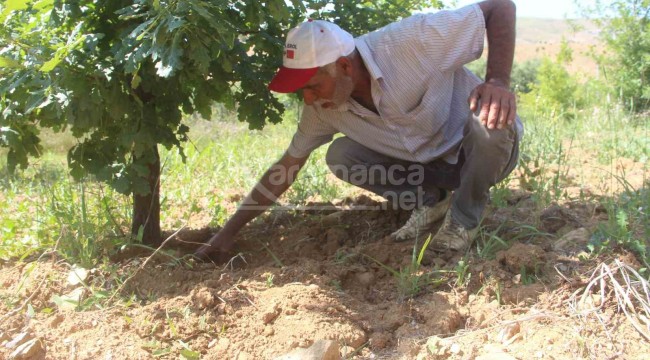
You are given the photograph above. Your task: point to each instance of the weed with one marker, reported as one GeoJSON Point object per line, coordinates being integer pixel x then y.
{"type": "Point", "coordinates": [411, 279]}
{"type": "Point", "coordinates": [269, 280]}
{"type": "Point", "coordinates": [628, 224]}
{"type": "Point", "coordinates": [342, 257]}
{"type": "Point", "coordinates": [526, 277]}
{"type": "Point", "coordinates": [463, 275]}
{"type": "Point", "coordinates": [489, 244]}
{"type": "Point", "coordinates": [336, 284]}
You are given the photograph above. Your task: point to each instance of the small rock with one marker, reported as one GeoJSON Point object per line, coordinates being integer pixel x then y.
{"type": "Point", "coordinates": [77, 276]}
{"type": "Point", "coordinates": [332, 219]}
{"type": "Point", "coordinates": [268, 330]}
{"type": "Point", "coordinates": [18, 339]}
{"type": "Point", "coordinates": [507, 334]}
{"type": "Point", "coordinates": [71, 300]}
{"type": "Point", "coordinates": [578, 237]}
{"type": "Point", "coordinates": [269, 316]}
{"type": "Point", "coordinates": [28, 350]}
{"type": "Point", "coordinates": [320, 350]}
{"type": "Point", "coordinates": [454, 349]}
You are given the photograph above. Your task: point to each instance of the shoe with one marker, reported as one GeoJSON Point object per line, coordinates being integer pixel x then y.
{"type": "Point", "coordinates": [452, 236]}
{"type": "Point", "coordinates": [421, 220]}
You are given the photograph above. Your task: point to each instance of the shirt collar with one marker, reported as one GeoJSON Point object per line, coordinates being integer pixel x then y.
{"type": "Point", "coordinates": [366, 56]}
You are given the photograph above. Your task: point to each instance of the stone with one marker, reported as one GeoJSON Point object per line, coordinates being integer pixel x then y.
{"type": "Point", "coordinates": [332, 219]}
{"type": "Point", "coordinates": [28, 350]}
{"type": "Point", "coordinates": [269, 316]}
{"type": "Point", "coordinates": [320, 350]}
{"type": "Point", "coordinates": [268, 330]}
{"type": "Point", "coordinates": [70, 301]}
{"type": "Point", "coordinates": [508, 332]}
{"type": "Point", "coordinates": [77, 276]}
{"type": "Point", "coordinates": [18, 340]}
{"type": "Point", "coordinates": [578, 237]}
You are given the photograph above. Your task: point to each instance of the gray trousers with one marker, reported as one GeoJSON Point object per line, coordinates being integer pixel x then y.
{"type": "Point", "coordinates": [486, 157]}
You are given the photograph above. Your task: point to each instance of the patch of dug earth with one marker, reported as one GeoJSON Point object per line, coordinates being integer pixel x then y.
{"type": "Point", "coordinates": [319, 281]}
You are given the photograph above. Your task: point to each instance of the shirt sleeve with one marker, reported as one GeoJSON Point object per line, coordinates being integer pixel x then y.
{"type": "Point", "coordinates": [312, 132]}
{"type": "Point", "coordinates": [453, 38]}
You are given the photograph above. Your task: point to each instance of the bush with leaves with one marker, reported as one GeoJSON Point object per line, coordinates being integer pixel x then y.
{"type": "Point", "coordinates": [120, 75]}
{"type": "Point", "coordinates": [555, 91]}
{"type": "Point", "coordinates": [625, 27]}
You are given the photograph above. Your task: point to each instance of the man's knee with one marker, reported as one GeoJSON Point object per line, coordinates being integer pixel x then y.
{"type": "Point", "coordinates": [338, 153]}
{"type": "Point", "coordinates": [480, 138]}
{"type": "Point", "coordinates": [338, 157]}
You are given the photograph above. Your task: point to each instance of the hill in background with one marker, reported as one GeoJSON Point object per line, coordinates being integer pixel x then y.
{"type": "Point", "coordinates": [537, 38]}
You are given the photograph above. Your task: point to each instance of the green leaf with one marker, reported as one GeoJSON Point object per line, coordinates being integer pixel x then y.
{"type": "Point", "coordinates": [16, 4]}
{"type": "Point", "coordinates": [161, 352]}
{"type": "Point", "coordinates": [190, 355]}
{"type": "Point", "coordinates": [135, 82]}
{"type": "Point", "coordinates": [9, 63]}
{"type": "Point", "coordinates": [13, 5]}
{"type": "Point", "coordinates": [51, 64]}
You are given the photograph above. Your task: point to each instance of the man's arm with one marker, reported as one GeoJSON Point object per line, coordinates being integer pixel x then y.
{"type": "Point", "coordinates": [498, 103]}
{"type": "Point", "coordinates": [273, 184]}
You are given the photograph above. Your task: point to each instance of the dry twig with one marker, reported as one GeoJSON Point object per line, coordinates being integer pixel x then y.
{"type": "Point", "coordinates": [629, 289]}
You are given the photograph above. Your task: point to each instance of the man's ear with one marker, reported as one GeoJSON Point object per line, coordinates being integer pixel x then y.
{"type": "Point", "coordinates": [344, 64]}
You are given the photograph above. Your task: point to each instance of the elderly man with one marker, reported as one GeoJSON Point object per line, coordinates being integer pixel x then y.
{"type": "Point", "coordinates": [420, 129]}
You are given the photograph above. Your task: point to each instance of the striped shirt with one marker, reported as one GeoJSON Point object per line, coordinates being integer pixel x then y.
{"type": "Point", "coordinates": [419, 87]}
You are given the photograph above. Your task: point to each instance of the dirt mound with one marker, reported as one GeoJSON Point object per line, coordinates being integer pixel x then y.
{"type": "Point", "coordinates": [300, 277]}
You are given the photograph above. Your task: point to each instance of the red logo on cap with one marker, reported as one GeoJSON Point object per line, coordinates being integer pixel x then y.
{"type": "Point", "coordinates": [289, 54]}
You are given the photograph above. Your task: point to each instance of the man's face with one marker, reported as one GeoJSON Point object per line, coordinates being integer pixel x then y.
{"type": "Point", "coordinates": [327, 91]}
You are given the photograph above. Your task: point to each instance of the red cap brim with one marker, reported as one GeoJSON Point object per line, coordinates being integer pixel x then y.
{"type": "Point", "coordinates": [289, 80]}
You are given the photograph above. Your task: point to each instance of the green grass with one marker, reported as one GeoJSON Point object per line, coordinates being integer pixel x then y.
{"type": "Point", "coordinates": [42, 206]}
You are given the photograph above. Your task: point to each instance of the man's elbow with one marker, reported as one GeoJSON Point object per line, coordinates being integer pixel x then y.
{"type": "Point", "coordinates": [489, 6]}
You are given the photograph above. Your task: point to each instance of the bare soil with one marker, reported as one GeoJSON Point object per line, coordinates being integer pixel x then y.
{"type": "Point", "coordinates": [299, 277]}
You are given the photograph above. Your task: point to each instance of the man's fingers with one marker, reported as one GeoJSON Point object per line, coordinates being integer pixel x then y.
{"type": "Point", "coordinates": [473, 100]}
{"type": "Point", "coordinates": [485, 111]}
{"type": "Point", "coordinates": [504, 112]}
{"type": "Point", "coordinates": [495, 107]}
{"type": "Point", "coordinates": [513, 112]}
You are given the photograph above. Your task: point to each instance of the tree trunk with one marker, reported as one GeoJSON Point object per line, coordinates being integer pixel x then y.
{"type": "Point", "coordinates": [146, 208]}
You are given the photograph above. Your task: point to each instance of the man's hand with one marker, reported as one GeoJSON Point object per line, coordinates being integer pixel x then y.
{"type": "Point", "coordinates": [218, 247]}
{"type": "Point", "coordinates": [274, 183]}
{"type": "Point", "coordinates": [498, 104]}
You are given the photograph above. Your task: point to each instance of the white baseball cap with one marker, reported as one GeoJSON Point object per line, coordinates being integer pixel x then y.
{"type": "Point", "coordinates": [312, 44]}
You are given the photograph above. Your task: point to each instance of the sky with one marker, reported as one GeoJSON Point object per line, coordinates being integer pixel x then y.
{"type": "Point", "coordinates": [547, 9]}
